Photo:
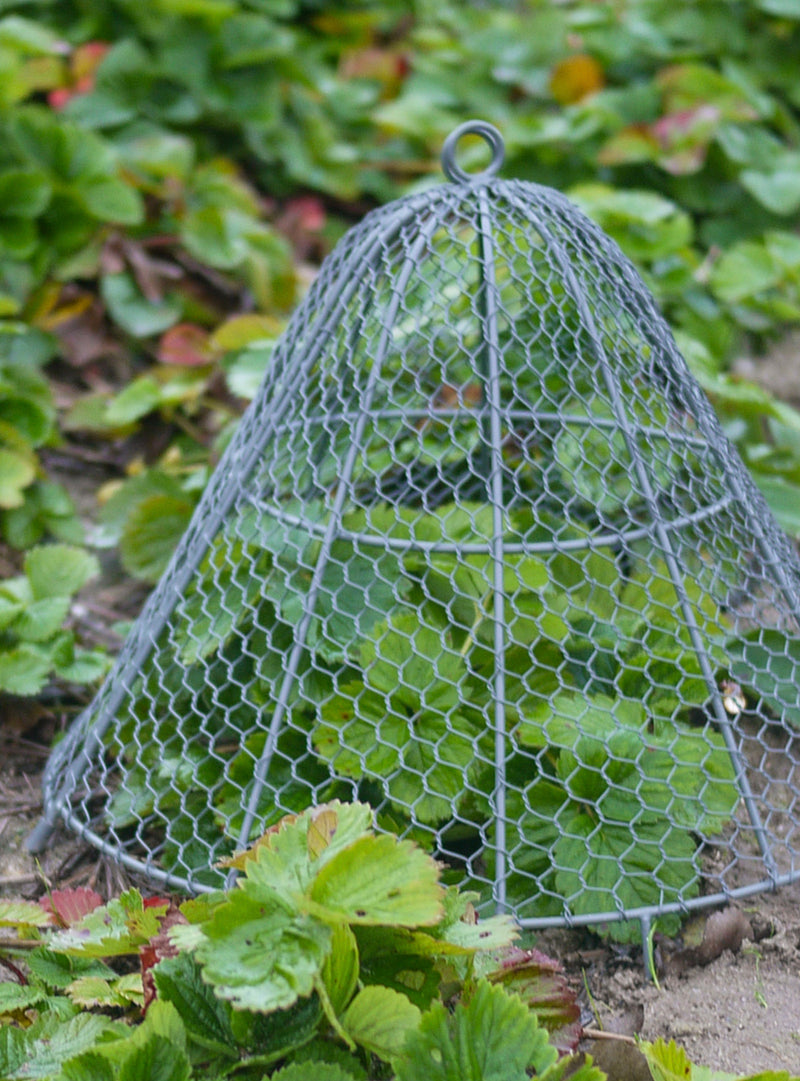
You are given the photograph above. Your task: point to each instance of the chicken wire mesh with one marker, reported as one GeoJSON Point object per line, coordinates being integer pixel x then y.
{"type": "Point", "coordinates": [480, 555]}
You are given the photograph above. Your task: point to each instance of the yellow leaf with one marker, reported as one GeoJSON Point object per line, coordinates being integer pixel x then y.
{"type": "Point", "coordinates": [242, 330]}
{"type": "Point", "coordinates": [321, 829]}
{"type": "Point", "coordinates": [576, 78]}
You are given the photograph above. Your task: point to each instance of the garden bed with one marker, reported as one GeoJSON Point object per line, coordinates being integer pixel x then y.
{"type": "Point", "coordinates": [737, 1013]}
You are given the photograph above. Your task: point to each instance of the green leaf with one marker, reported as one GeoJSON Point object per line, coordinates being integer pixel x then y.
{"type": "Point", "coordinates": [23, 914]}
{"type": "Point", "coordinates": [277, 1035]}
{"type": "Point", "coordinates": [245, 371]}
{"type": "Point", "coordinates": [644, 224]}
{"type": "Point", "coordinates": [162, 1019]}
{"type": "Point", "coordinates": [41, 619]}
{"type": "Point", "coordinates": [768, 661]}
{"type": "Point", "coordinates": [83, 666]}
{"type": "Point", "coordinates": [380, 1019]}
{"type": "Point", "coordinates": [27, 348]}
{"type": "Point", "coordinates": [13, 1051]}
{"type": "Point", "coordinates": [379, 880]}
{"type": "Point", "coordinates": [605, 867]}
{"type": "Point", "coordinates": [14, 996]}
{"type": "Point", "coordinates": [779, 189]}
{"type": "Point", "coordinates": [59, 570]}
{"type": "Point", "coordinates": [783, 498]}
{"type": "Point", "coordinates": [566, 718]}
{"type": "Point", "coordinates": [323, 1052]}
{"type": "Point", "coordinates": [47, 510]}
{"type": "Point", "coordinates": [207, 235]}
{"type": "Point", "coordinates": [362, 738]}
{"type": "Point", "coordinates": [493, 1037]}
{"type": "Point", "coordinates": [157, 1059]}
{"type": "Point", "coordinates": [259, 954]}
{"type": "Point", "coordinates": [59, 970]}
{"type": "Point", "coordinates": [93, 991]}
{"type": "Point", "coordinates": [586, 1071]}
{"type": "Point", "coordinates": [157, 153]}
{"type": "Point", "coordinates": [409, 722]}
{"type": "Point", "coordinates": [667, 1061]}
{"type": "Point", "coordinates": [50, 1042]}
{"type": "Point", "coordinates": [688, 773]}
{"type": "Point", "coordinates": [12, 605]}
{"type": "Point", "coordinates": [24, 193]}
{"type": "Point", "coordinates": [491, 933]}
{"type": "Point", "coordinates": [112, 200]}
{"type": "Point", "coordinates": [138, 316]}
{"type": "Point", "coordinates": [154, 1051]}
{"type": "Point", "coordinates": [89, 1066]}
{"type": "Point", "coordinates": [23, 670]}
{"type": "Point", "coordinates": [18, 238]}
{"type": "Point", "coordinates": [402, 959]}
{"type": "Point", "coordinates": [117, 510]}
{"type": "Point", "coordinates": [357, 589]}
{"type": "Point", "coordinates": [313, 1071]}
{"type": "Point", "coordinates": [151, 534]}
{"type": "Point", "coordinates": [138, 398]}
{"type": "Point", "coordinates": [17, 472]}
{"type": "Point", "coordinates": [743, 271]}
{"type": "Point", "coordinates": [60, 148]}
{"type": "Point", "coordinates": [407, 656]}
{"type": "Point", "coordinates": [287, 858]}
{"type": "Point", "coordinates": [28, 37]}
{"type": "Point", "coordinates": [120, 927]}
{"type": "Point", "coordinates": [341, 969]}
{"type": "Point", "coordinates": [178, 980]}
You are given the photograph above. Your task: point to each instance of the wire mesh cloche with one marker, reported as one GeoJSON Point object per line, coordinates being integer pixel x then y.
{"type": "Point", "coordinates": [481, 556]}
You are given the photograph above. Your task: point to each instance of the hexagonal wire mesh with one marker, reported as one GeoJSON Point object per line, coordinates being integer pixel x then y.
{"type": "Point", "coordinates": [480, 555]}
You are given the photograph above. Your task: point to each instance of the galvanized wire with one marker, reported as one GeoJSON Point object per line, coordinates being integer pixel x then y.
{"type": "Point", "coordinates": [481, 555]}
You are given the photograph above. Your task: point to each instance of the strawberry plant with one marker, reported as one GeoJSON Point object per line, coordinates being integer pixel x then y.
{"type": "Point", "coordinates": [393, 695]}
{"type": "Point", "coordinates": [30, 505]}
{"type": "Point", "coordinates": [34, 644]}
{"type": "Point", "coordinates": [332, 956]}
{"type": "Point", "coordinates": [336, 956]}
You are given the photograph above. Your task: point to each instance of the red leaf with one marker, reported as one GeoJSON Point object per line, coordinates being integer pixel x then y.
{"type": "Point", "coordinates": [539, 981]}
{"type": "Point", "coordinates": [57, 99]}
{"type": "Point", "coordinates": [155, 902]}
{"type": "Point", "coordinates": [307, 211]}
{"type": "Point", "coordinates": [388, 67]}
{"type": "Point", "coordinates": [158, 947]}
{"type": "Point", "coordinates": [71, 905]}
{"type": "Point", "coordinates": [684, 138]}
{"type": "Point", "coordinates": [84, 62]}
{"type": "Point", "coordinates": [185, 345]}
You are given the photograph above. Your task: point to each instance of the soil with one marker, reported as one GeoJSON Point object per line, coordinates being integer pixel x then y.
{"type": "Point", "coordinates": [729, 991]}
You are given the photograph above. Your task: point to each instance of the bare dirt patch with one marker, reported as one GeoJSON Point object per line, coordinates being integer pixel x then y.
{"type": "Point", "coordinates": [739, 1013]}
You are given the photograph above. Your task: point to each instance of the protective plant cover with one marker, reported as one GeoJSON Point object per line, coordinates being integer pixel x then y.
{"type": "Point", "coordinates": [480, 555]}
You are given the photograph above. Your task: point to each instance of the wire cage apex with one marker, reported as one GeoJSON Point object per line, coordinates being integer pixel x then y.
{"type": "Point", "coordinates": [480, 555]}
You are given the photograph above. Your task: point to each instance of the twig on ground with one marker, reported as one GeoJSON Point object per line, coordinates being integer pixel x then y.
{"type": "Point", "coordinates": [19, 880]}
{"type": "Point", "coordinates": [21, 808]}
{"type": "Point", "coordinates": [601, 1034]}
{"type": "Point", "coordinates": [18, 973]}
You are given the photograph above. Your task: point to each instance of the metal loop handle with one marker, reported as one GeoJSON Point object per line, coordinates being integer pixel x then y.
{"type": "Point", "coordinates": [489, 132]}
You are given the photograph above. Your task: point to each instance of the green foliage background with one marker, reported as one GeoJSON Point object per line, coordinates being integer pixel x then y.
{"type": "Point", "coordinates": [153, 156]}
